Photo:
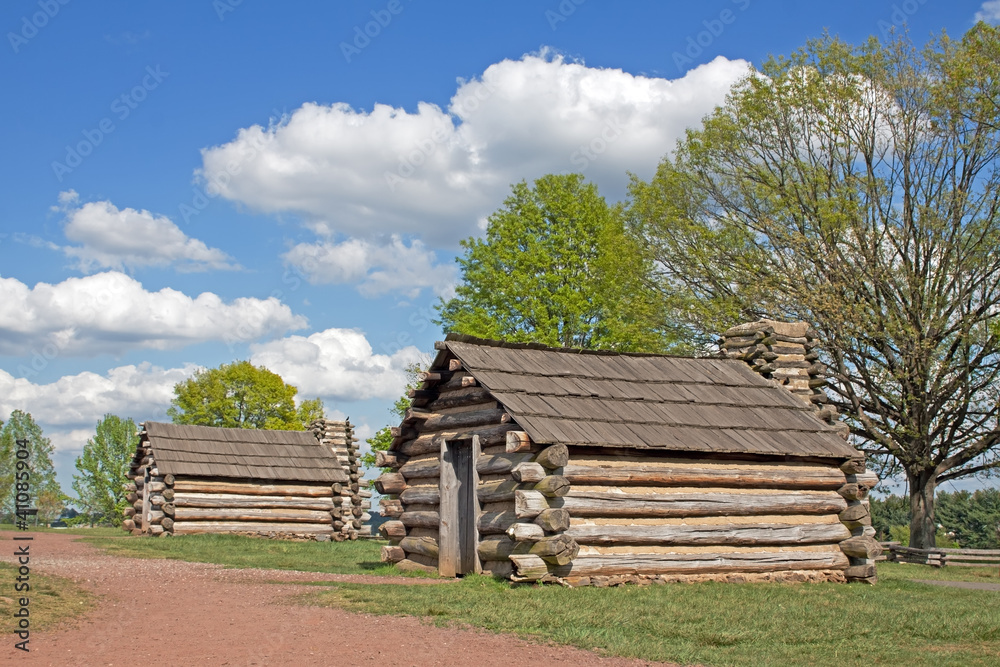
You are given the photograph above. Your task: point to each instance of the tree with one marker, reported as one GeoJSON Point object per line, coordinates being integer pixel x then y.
{"type": "Point", "coordinates": [557, 267]}
{"type": "Point", "coordinates": [241, 395]}
{"type": "Point", "coordinates": [857, 188]}
{"type": "Point", "coordinates": [42, 487]}
{"type": "Point", "coordinates": [973, 517]}
{"type": "Point", "coordinates": [103, 466]}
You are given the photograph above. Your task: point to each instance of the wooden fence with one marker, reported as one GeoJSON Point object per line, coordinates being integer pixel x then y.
{"type": "Point", "coordinates": [894, 552]}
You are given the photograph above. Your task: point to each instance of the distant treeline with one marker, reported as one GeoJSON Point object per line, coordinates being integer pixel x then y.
{"type": "Point", "coordinates": [970, 519]}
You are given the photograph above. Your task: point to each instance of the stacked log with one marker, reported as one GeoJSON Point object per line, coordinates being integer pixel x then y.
{"type": "Point", "coordinates": [351, 501]}
{"type": "Point", "coordinates": [151, 494]}
{"type": "Point", "coordinates": [861, 548]}
{"type": "Point", "coordinates": [638, 519]}
{"type": "Point", "coordinates": [249, 507]}
{"type": "Point", "coordinates": [788, 354]}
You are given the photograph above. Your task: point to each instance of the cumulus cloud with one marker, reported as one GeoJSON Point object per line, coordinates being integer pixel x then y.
{"type": "Point", "coordinates": [112, 238]}
{"type": "Point", "coordinates": [75, 403]}
{"type": "Point", "coordinates": [376, 268]}
{"type": "Point", "coordinates": [989, 12]}
{"type": "Point", "coordinates": [336, 365]}
{"type": "Point", "coordinates": [112, 312]}
{"type": "Point", "coordinates": [339, 364]}
{"type": "Point", "coordinates": [437, 173]}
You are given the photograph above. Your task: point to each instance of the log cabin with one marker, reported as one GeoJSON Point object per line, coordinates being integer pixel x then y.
{"type": "Point", "coordinates": [280, 484]}
{"type": "Point", "coordinates": [600, 468]}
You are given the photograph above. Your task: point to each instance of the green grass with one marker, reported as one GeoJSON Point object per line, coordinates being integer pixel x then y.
{"type": "Point", "coordinates": [359, 557]}
{"type": "Point", "coordinates": [104, 531]}
{"type": "Point", "coordinates": [897, 622]}
{"type": "Point", "coordinates": [51, 601]}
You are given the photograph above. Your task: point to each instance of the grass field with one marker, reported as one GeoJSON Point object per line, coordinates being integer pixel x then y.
{"type": "Point", "coordinates": [102, 531]}
{"type": "Point", "coordinates": [51, 600]}
{"type": "Point", "coordinates": [360, 557]}
{"type": "Point", "coordinates": [897, 622]}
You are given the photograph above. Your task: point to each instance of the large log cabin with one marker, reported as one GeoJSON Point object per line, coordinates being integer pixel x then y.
{"type": "Point", "coordinates": [599, 468]}
{"type": "Point", "coordinates": [281, 484]}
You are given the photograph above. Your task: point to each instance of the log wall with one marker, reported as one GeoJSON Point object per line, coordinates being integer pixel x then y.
{"type": "Point", "coordinates": [352, 502]}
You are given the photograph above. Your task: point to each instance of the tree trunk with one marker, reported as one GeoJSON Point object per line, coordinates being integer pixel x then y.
{"type": "Point", "coordinates": [922, 525]}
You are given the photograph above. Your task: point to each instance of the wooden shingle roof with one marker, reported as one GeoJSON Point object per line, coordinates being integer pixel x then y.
{"type": "Point", "coordinates": [206, 451]}
{"type": "Point", "coordinates": [608, 399]}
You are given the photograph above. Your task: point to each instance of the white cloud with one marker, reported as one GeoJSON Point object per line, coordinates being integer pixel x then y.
{"type": "Point", "coordinates": [75, 403]}
{"type": "Point", "coordinates": [376, 267]}
{"type": "Point", "coordinates": [438, 173]}
{"type": "Point", "coordinates": [116, 239]}
{"type": "Point", "coordinates": [111, 312]}
{"type": "Point", "coordinates": [338, 364]}
{"type": "Point", "coordinates": [989, 12]}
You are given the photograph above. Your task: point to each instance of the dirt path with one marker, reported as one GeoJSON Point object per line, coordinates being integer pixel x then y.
{"type": "Point", "coordinates": [973, 585]}
{"type": "Point", "coordinates": [175, 613]}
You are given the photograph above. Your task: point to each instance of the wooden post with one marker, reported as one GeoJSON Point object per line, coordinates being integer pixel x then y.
{"type": "Point", "coordinates": [145, 503]}
{"type": "Point", "coordinates": [448, 509]}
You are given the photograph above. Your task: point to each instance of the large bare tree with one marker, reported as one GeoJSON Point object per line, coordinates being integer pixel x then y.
{"type": "Point", "coordinates": [857, 188]}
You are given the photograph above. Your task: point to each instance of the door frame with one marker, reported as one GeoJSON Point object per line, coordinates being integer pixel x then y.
{"type": "Point", "coordinates": [459, 509]}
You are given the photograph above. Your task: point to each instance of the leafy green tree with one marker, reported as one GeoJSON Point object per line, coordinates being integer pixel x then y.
{"type": "Point", "coordinates": [557, 267]}
{"type": "Point", "coordinates": [41, 480]}
{"type": "Point", "coordinates": [857, 188]}
{"type": "Point", "coordinates": [102, 466]}
{"type": "Point", "coordinates": [241, 395]}
{"type": "Point", "coordinates": [889, 512]}
{"type": "Point", "coordinates": [973, 517]}
{"type": "Point", "coordinates": [382, 439]}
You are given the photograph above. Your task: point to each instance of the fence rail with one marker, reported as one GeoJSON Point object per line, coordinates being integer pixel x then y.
{"type": "Point", "coordinates": [895, 552]}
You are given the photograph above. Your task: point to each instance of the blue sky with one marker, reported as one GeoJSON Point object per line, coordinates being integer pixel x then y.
{"type": "Point", "coordinates": [186, 184]}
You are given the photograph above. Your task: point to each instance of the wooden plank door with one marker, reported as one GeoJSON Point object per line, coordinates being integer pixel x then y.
{"type": "Point", "coordinates": [458, 535]}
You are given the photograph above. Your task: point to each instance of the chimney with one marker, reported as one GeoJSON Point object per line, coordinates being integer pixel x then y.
{"type": "Point", "coordinates": [786, 353]}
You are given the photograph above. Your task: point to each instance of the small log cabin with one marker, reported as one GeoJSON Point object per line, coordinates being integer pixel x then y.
{"type": "Point", "coordinates": [600, 468]}
{"type": "Point", "coordinates": [283, 484]}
